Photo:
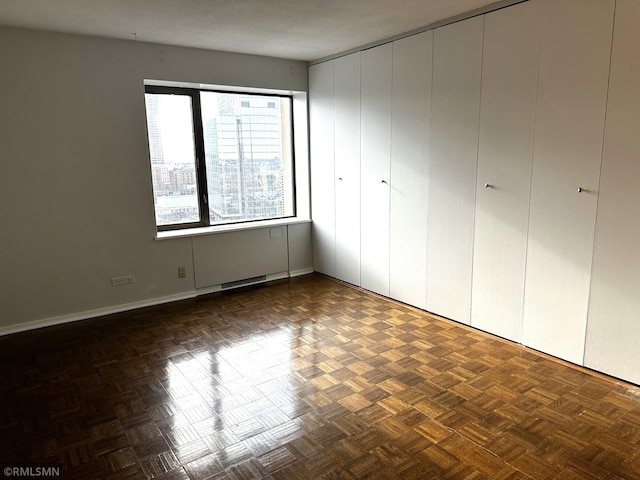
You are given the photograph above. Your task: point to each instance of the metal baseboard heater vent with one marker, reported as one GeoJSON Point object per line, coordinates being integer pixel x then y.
{"type": "Point", "coordinates": [246, 281]}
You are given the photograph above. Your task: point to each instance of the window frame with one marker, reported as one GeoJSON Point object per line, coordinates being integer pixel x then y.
{"type": "Point", "coordinates": [200, 154]}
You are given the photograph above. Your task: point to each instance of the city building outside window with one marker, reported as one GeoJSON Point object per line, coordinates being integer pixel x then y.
{"type": "Point", "coordinates": [219, 157]}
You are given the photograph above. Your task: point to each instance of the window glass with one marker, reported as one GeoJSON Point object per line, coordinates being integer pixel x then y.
{"type": "Point", "coordinates": [248, 157]}
{"type": "Point", "coordinates": [219, 157]}
{"type": "Point", "coordinates": [173, 159]}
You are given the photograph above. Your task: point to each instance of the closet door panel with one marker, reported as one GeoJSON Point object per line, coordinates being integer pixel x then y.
{"type": "Point", "coordinates": [572, 91]}
{"type": "Point", "coordinates": [347, 167]}
{"type": "Point", "coordinates": [453, 156]}
{"type": "Point", "coordinates": [509, 85]}
{"type": "Point", "coordinates": [376, 75]}
{"type": "Point", "coordinates": [321, 120]}
{"type": "Point", "coordinates": [613, 332]}
{"type": "Point", "coordinates": [411, 107]}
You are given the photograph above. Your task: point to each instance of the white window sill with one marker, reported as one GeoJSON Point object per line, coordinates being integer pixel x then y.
{"type": "Point", "coordinates": [235, 227]}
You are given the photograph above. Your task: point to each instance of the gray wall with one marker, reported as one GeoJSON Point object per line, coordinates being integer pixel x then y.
{"type": "Point", "coordinates": [75, 186]}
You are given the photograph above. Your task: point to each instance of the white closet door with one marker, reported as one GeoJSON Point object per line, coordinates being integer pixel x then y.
{"type": "Point", "coordinates": [411, 107]}
{"type": "Point", "coordinates": [453, 157]}
{"type": "Point", "coordinates": [572, 90]}
{"type": "Point", "coordinates": [376, 74]}
{"type": "Point", "coordinates": [321, 120]}
{"type": "Point", "coordinates": [613, 333]}
{"type": "Point", "coordinates": [509, 84]}
{"type": "Point", "coordinates": [346, 76]}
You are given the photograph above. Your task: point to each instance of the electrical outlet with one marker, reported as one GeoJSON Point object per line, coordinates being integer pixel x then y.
{"type": "Point", "coordinates": [182, 272]}
{"type": "Point", "coordinates": [119, 281]}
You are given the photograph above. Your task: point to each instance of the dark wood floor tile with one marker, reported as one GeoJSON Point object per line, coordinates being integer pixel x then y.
{"type": "Point", "coordinates": [625, 432]}
{"type": "Point", "coordinates": [143, 432]}
{"type": "Point", "coordinates": [159, 464]}
{"type": "Point", "coordinates": [204, 467]}
{"type": "Point", "coordinates": [338, 474]}
{"type": "Point", "coordinates": [303, 447]}
{"type": "Point", "coordinates": [277, 459]}
{"type": "Point", "coordinates": [104, 446]}
{"type": "Point", "coordinates": [120, 459]}
{"type": "Point", "coordinates": [247, 470]}
{"type": "Point", "coordinates": [305, 378]}
{"type": "Point", "coordinates": [439, 457]}
{"type": "Point", "coordinates": [286, 432]}
{"type": "Point", "coordinates": [633, 416]}
{"type": "Point", "coordinates": [71, 431]}
{"type": "Point", "coordinates": [271, 417]}
{"type": "Point", "coordinates": [208, 426]}
{"type": "Point", "coordinates": [261, 443]}
{"type": "Point", "coordinates": [319, 464]}
{"type": "Point", "coordinates": [130, 417]}
{"type": "Point", "coordinates": [177, 436]}
{"type": "Point", "coordinates": [455, 419]}
{"type": "Point", "coordinates": [152, 447]}
{"type": "Point", "coordinates": [87, 471]}
{"type": "Point", "coordinates": [471, 453]}
{"type": "Point", "coordinates": [366, 440]}
{"type": "Point", "coordinates": [368, 466]}
{"type": "Point", "coordinates": [74, 456]}
{"type": "Point", "coordinates": [529, 464]}
{"type": "Point", "coordinates": [629, 469]}
{"type": "Point", "coordinates": [133, 472]}
{"type": "Point", "coordinates": [233, 455]}
{"type": "Point", "coordinates": [391, 427]}
{"type": "Point", "coordinates": [220, 439]}
{"type": "Point", "coordinates": [176, 474]}
{"type": "Point", "coordinates": [461, 471]}
{"type": "Point", "coordinates": [189, 452]}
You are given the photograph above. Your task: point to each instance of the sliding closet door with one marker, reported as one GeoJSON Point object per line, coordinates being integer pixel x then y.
{"type": "Point", "coordinates": [509, 84]}
{"type": "Point", "coordinates": [346, 76]}
{"type": "Point", "coordinates": [321, 119]}
{"type": "Point", "coordinates": [572, 91]}
{"type": "Point", "coordinates": [412, 67]}
{"type": "Point", "coordinates": [376, 151]}
{"type": "Point", "coordinates": [453, 156]}
{"type": "Point", "coordinates": [613, 336]}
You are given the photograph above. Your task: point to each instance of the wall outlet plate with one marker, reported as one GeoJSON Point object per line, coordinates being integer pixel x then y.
{"type": "Point", "coordinates": [126, 280]}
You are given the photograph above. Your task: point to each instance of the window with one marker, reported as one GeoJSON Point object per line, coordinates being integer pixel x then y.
{"type": "Point", "coordinates": [219, 157]}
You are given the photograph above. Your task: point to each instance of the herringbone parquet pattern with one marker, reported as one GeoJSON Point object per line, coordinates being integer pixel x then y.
{"type": "Point", "coordinates": [303, 379]}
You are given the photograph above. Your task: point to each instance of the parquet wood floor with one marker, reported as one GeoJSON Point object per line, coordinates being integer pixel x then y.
{"type": "Point", "coordinates": [303, 379]}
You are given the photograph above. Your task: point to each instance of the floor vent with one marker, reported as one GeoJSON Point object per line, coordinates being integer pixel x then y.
{"type": "Point", "coordinates": [246, 281]}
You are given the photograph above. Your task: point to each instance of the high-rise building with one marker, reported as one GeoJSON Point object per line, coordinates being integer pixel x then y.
{"type": "Point", "coordinates": [243, 143]}
{"type": "Point", "coordinates": [155, 139]}
{"type": "Point", "coordinates": [243, 146]}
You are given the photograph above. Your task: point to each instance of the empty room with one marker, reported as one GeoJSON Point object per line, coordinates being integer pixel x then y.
{"type": "Point", "coordinates": [320, 240]}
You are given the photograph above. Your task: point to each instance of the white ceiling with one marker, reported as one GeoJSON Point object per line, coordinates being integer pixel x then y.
{"type": "Point", "coordinates": [295, 29]}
